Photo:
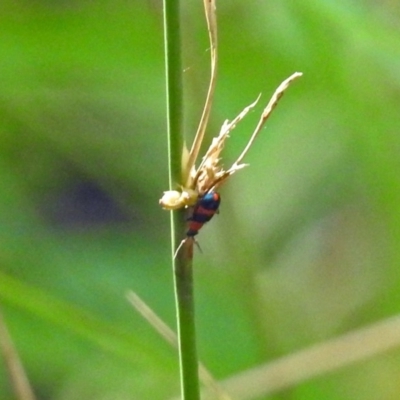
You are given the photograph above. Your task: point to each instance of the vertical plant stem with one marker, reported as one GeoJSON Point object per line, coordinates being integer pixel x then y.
{"type": "Point", "coordinates": [182, 264]}
{"type": "Point", "coordinates": [184, 293]}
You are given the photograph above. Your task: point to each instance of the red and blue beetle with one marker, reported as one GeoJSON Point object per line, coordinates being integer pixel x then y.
{"type": "Point", "coordinates": [205, 208]}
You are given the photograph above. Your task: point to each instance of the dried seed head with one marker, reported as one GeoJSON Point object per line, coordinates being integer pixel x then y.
{"type": "Point", "coordinates": [210, 174]}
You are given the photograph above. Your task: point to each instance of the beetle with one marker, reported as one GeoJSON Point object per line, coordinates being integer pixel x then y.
{"type": "Point", "coordinates": [205, 208]}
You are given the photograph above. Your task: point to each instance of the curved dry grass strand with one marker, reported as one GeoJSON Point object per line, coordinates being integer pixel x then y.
{"type": "Point", "coordinates": [211, 17]}
{"type": "Point", "coordinates": [316, 360]}
{"type": "Point", "coordinates": [267, 112]}
{"type": "Point", "coordinates": [14, 367]}
{"type": "Point", "coordinates": [170, 336]}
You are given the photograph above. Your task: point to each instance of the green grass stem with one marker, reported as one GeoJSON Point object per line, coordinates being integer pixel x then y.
{"type": "Point", "coordinates": [182, 264]}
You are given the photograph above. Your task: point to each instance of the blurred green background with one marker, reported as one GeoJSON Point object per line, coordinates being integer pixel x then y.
{"type": "Point", "coordinates": [306, 245]}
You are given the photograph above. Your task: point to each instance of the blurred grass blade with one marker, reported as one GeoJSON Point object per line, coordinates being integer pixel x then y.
{"type": "Point", "coordinates": [170, 336]}
{"type": "Point", "coordinates": [51, 309]}
{"type": "Point", "coordinates": [316, 360]}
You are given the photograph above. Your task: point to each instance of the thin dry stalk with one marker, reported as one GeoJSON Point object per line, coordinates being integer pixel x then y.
{"type": "Point", "coordinates": [267, 112]}
{"type": "Point", "coordinates": [14, 367]}
{"type": "Point", "coordinates": [211, 17]}
{"type": "Point", "coordinates": [169, 335]}
{"type": "Point", "coordinates": [316, 360]}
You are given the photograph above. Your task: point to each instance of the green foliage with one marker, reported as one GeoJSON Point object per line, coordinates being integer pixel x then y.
{"type": "Point", "coordinates": [306, 244]}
